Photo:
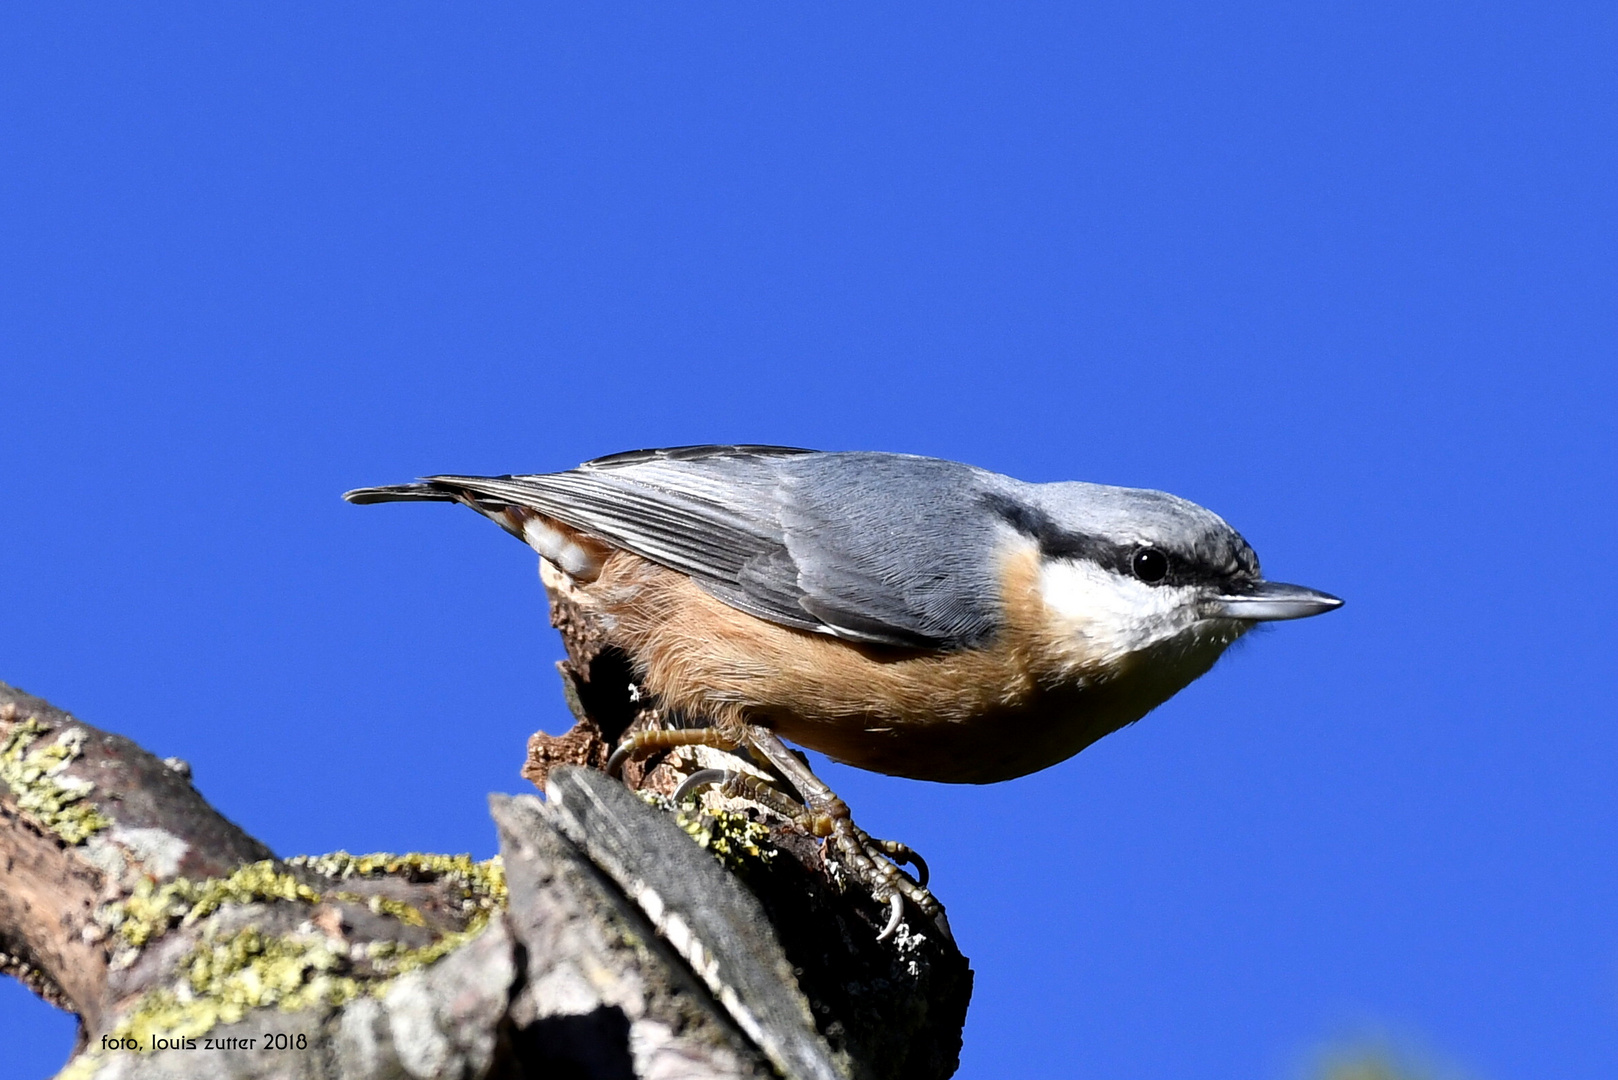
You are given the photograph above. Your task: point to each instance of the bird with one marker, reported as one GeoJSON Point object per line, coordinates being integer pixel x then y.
{"type": "Point", "coordinates": [903, 614]}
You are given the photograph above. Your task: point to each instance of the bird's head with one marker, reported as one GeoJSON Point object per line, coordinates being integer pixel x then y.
{"type": "Point", "coordinates": [1131, 573]}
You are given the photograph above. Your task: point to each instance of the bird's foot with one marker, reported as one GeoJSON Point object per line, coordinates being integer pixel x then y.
{"type": "Point", "coordinates": [875, 864]}
{"type": "Point", "coordinates": [868, 861]}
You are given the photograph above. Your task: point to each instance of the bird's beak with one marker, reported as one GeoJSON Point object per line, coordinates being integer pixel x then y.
{"type": "Point", "coordinates": [1269, 601]}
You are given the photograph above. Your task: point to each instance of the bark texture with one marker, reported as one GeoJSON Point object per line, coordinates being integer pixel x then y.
{"type": "Point", "coordinates": [615, 937]}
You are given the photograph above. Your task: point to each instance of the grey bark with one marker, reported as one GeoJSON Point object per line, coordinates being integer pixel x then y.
{"type": "Point", "coordinates": [622, 948]}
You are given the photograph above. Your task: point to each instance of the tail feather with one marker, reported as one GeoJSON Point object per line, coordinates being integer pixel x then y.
{"type": "Point", "coordinates": [418, 492]}
{"type": "Point", "coordinates": [492, 496]}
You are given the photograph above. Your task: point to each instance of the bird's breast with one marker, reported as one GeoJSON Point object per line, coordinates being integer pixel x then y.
{"type": "Point", "coordinates": [1028, 699]}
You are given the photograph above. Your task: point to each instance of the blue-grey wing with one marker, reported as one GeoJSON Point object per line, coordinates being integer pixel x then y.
{"type": "Point", "coordinates": [893, 549]}
{"type": "Point", "coordinates": [879, 548]}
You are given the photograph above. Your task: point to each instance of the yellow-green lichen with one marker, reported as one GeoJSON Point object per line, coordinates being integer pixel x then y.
{"type": "Point", "coordinates": [392, 959]}
{"type": "Point", "coordinates": [382, 905]}
{"type": "Point", "coordinates": [482, 883]}
{"type": "Point", "coordinates": [151, 909]}
{"type": "Point", "coordinates": [43, 792]}
{"type": "Point", "coordinates": [225, 976]}
{"type": "Point", "coordinates": [84, 1066]}
{"type": "Point", "coordinates": [731, 837]}
{"type": "Point", "coordinates": [224, 979]}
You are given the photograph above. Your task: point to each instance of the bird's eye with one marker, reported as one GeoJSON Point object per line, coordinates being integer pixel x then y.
{"type": "Point", "coordinates": [1150, 565]}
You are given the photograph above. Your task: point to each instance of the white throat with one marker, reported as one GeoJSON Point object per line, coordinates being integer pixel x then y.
{"type": "Point", "coordinates": [1112, 615]}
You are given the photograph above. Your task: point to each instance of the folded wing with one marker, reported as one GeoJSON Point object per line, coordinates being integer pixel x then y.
{"type": "Point", "coordinates": [867, 547]}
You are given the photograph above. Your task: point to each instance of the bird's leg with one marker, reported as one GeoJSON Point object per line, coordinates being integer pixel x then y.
{"type": "Point", "coordinates": [827, 816]}
{"type": "Point", "coordinates": [740, 785]}
{"type": "Point", "coordinates": [821, 813]}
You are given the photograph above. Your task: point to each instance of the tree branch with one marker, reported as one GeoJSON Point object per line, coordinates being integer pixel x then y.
{"type": "Point", "coordinates": [602, 943]}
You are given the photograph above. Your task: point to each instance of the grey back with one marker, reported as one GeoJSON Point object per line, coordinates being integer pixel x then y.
{"type": "Point", "coordinates": [888, 549]}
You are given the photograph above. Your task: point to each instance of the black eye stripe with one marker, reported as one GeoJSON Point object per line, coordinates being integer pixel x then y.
{"type": "Point", "coordinates": [1056, 543]}
{"type": "Point", "coordinates": [1053, 541]}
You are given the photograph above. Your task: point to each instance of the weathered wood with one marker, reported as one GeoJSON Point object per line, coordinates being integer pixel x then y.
{"type": "Point", "coordinates": [602, 994]}
{"type": "Point", "coordinates": [709, 918]}
{"type": "Point", "coordinates": [132, 902]}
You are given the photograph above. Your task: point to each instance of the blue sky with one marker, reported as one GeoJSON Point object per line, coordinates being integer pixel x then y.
{"type": "Point", "coordinates": [1343, 273]}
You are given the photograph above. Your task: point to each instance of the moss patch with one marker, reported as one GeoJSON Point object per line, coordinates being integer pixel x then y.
{"type": "Point", "coordinates": [44, 794]}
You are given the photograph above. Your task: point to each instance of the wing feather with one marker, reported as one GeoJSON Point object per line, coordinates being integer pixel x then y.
{"type": "Point", "coordinates": [876, 548]}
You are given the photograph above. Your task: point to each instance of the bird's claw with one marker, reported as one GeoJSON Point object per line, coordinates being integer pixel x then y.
{"type": "Point", "coordinates": [896, 906]}
{"type": "Point", "coordinates": [740, 785]}
{"type": "Point", "coordinates": [902, 854]}
{"type": "Point", "coordinates": [871, 862]}
{"type": "Point", "coordinates": [701, 778]}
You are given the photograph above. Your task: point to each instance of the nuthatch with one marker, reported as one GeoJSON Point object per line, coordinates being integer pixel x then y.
{"type": "Point", "coordinates": [908, 615]}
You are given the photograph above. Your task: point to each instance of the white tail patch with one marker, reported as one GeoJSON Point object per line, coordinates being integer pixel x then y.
{"type": "Point", "coordinates": [560, 545]}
